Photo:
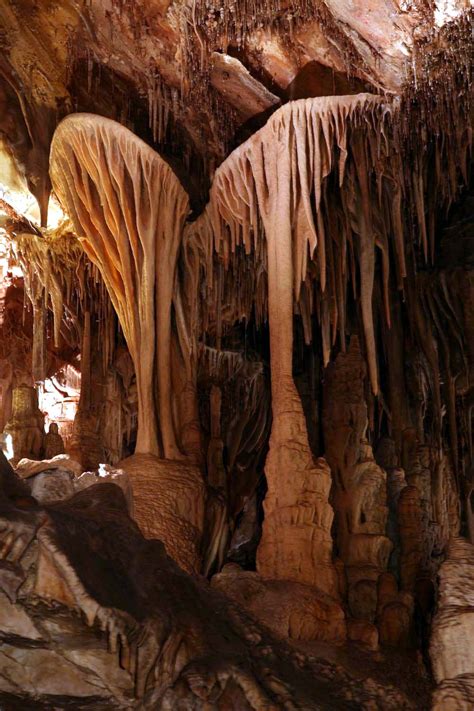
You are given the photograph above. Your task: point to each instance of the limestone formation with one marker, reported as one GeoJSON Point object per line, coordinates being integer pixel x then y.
{"type": "Point", "coordinates": [360, 485]}
{"type": "Point", "coordinates": [276, 186]}
{"type": "Point", "coordinates": [131, 228]}
{"type": "Point", "coordinates": [236, 275]}
{"type": "Point", "coordinates": [451, 648]}
{"type": "Point", "coordinates": [53, 443]}
{"type": "Point", "coordinates": [169, 501]}
{"type": "Point", "coordinates": [160, 639]}
{"type": "Point", "coordinates": [290, 610]}
{"type": "Point", "coordinates": [26, 423]}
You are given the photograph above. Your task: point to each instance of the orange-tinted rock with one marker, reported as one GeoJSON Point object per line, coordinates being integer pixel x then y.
{"type": "Point", "coordinates": [451, 644]}
{"type": "Point", "coordinates": [394, 612]}
{"type": "Point", "coordinates": [363, 600]}
{"type": "Point", "coordinates": [290, 609]}
{"type": "Point", "coordinates": [296, 544]}
{"type": "Point", "coordinates": [26, 423]}
{"type": "Point", "coordinates": [169, 499]}
{"type": "Point", "coordinates": [359, 491]}
{"type": "Point", "coordinates": [363, 633]}
{"type": "Point", "coordinates": [411, 536]}
{"type": "Point", "coordinates": [394, 623]}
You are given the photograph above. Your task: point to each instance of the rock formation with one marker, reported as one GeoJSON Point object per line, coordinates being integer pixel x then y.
{"type": "Point", "coordinates": [131, 226]}
{"type": "Point", "coordinates": [451, 641]}
{"type": "Point", "coordinates": [52, 443]}
{"type": "Point", "coordinates": [236, 284]}
{"type": "Point", "coordinates": [169, 504]}
{"type": "Point", "coordinates": [26, 423]}
{"type": "Point", "coordinates": [360, 485]}
{"type": "Point", "coordinates": [160, 637]}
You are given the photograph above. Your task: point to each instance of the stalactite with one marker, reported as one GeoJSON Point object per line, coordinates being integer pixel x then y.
{"type": "Point", "coordinates": [435, 131]}
{"type": "Point", "coordinates": [39, 341]}
{"type": "Point", "coordinates": [309, 133]}
{"type": "Point", "coordinates": [218, 24]}
{"type": "Point", "coordinates": [244, 385]}
{"type": "Point", "coordinates": [85, 398]}
{"type": "Point", "coordinates": [57, 272]}
{"type": "Point", "coordinates": [441, 296]}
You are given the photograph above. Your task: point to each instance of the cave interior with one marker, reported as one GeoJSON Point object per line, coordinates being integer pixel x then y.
{"type": "Point", "coordinates": [237, 351]}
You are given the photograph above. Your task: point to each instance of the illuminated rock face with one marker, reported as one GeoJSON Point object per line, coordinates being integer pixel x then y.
{"type": "Point", "coordinates": [131, 226]}
{"type": "Point", "coordinates": [273, 344]}
{"type": "Point", "coordinates": [169, 500]}
{"type": "Point", "coordinates": [276, 179]}
{"type": "Point", "coordinates": [125, 627]}
{"type": "Point", "coordinates": [26, 424]}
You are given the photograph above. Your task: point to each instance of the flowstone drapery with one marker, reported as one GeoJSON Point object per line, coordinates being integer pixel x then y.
{"type": "Point", "coordinates": [299, 354]}
{"type": "Point", "coordinates": [129, 209]}
{"type": "Point", "coordinates": [298, 214]}
{"type": "Point", "coordinates": [271, 203]}
{"type": "Point", "coordinates": [279, 180]}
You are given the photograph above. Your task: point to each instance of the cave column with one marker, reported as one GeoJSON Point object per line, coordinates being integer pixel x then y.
{"type": "Point", "coordinates": [147, 437]}
{"type": "Point", "coordinates": [296, 540]}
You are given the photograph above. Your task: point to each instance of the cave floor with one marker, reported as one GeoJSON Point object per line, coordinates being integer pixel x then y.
{"type": "Point", "coordinates": [402, 669]}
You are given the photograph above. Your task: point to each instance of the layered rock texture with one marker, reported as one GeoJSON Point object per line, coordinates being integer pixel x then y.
{"type": "Point", "coordinates": [124, 627]}
{"type": "Point", "coordinates": [451, 640]}
{"type": "Point", "coordinates": [237, 327]}
{"type": "Point", "coordinates": [169, 504]}
{"type": "Point", "coordinates": [132, 227]}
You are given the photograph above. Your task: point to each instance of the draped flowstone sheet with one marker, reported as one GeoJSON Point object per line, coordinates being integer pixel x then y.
{"type": "Point", "coordinates": [272, 203]}
{"type": "Point", "coordinates": [272, 199]}
{"type": "Point", "coordinates": [129, 208]}
{"type": "Point", "coordinates": [298, 215]}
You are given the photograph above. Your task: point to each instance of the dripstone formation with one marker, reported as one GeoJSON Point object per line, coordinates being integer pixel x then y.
{"type": "Point", "coordinates": [237, 327]}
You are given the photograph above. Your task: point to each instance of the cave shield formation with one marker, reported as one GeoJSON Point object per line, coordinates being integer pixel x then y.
{"type": "Point", "coordinates": [131, 208]}
{"type": "Point", "coordinates": [237, 313]}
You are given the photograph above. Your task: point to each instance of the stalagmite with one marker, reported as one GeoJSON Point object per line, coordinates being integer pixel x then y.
{"type": "Point", "coordinates": [278, 179]}
{"type": "Point", "coordinates": [26, 423]}
{"type": "Point", "coordinates": [359, 491]}
{"type": "Point", "coordinates": [129, 209]}
{"type": "Point", "coordinates": [451, 650]}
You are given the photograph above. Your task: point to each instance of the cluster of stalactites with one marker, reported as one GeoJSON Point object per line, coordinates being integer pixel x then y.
{"type": "Point", "coordinates": [336, 155]}
{"type": "Point", "coordinates": [59, 276]}
{"type": "Point", "coordinates": [350, 196]}
{"type": "Point", "coordinates": [435, 125]}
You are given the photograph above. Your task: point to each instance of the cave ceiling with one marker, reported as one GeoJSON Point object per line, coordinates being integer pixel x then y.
{"type": "Point", "coordinates": [193, 79]}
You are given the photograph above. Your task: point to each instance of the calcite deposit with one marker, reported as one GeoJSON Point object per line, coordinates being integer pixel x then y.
{"type": "Point", "coordinates": [237, 328]}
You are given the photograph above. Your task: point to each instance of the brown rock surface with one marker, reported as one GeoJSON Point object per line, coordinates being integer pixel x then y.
{"type": "Point", "coordinates": [291, 610]}
{"type": "Point", "coordinates": [364, 633]}
{"type": "Point", "coordinates": [172, 641]}
{"type": "Point", "coordinates": [253, 353]}
{"type": "Point", "coordinates": [360, 488]}
{"type": "Point", "coordinates": [168, 503]}
{"type": "Point", "coordinates": [451, 647]}
{"type": "Point", "coordinates": [26, 425]}
{"type": "Point", "coordinates": [410, 517]}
